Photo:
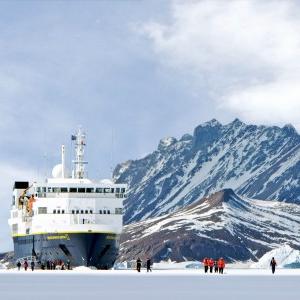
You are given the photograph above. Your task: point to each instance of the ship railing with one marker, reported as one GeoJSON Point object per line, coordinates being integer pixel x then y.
{"type": "Point", "coordinates": [29, 259]}
{"type": "Point", "coordinates": [80, 195]}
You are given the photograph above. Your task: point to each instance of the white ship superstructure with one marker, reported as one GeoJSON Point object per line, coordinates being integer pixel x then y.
{"type": "Point", "coordinates": [68, 218]}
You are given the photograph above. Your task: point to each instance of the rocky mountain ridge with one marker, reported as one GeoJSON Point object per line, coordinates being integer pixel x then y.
{"type": "Point", "coordinates": [261, 162]}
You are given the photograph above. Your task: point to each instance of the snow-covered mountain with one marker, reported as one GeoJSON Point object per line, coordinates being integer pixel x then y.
{"type": "Point", "coordinates": [256, 161]}
{"type": "Point", "coordinates": [224, 224]}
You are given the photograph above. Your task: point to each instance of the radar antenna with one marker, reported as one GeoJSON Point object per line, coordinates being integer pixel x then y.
{"type": "Point", "coordinates": [79, 163]}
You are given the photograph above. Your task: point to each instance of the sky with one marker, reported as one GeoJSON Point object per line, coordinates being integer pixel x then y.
{"type": "Point", "coordinates": [131, 72]}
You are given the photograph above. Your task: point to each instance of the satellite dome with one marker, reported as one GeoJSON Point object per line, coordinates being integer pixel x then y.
{"type": "Point", "coordinates": [57, 171]}
{"type": "Point", "coordinates": [106, 181]}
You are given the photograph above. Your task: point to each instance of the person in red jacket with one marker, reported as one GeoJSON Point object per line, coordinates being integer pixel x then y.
{"type": "Point", "coordinates": [205, 264]}
{"type": "Point", "coordinates": [25, 265]}
{"type": "Point", "coordinates": [221, 265]}
{"type": "Point", "coordinates": [211, 265]}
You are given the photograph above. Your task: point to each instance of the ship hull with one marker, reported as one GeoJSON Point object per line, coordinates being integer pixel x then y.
{"type": "Point", "coordinates": [98, 250]}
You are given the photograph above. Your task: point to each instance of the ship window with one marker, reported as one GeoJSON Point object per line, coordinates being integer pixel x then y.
{"type": "Point", "coordinates": [38, 189]}
{"type": "Point", "coordinates": [117, 190]}
{"type": "Point", "coordinates": [106, 190]}
{"type": "Point", "coordinates": [81, 190]}
{"type": "Point", "coordinates": [64, 189]}
{"type": "Point", "coordinates": [77, 211]}
{"type": "Point", "coordinates": [104, 211]}
{"type": "Point", "coordinates": [89, 190]}
{"type": "Point", "coordinates": [108, 212]}
{"type": "Point", "coordinates": [91, 211]}
{"type": "Point", "coordinates": [42, 210]}
{"type": "Point", "coordinates": [56, 190]}
{"type": "Point", "coordinates": [15, 228]}
{"type": "Point", "coordinates": [73, 190]}
{"type": "Point", "coordinates": [27, 232]}
{"type": "Point", "coordinates": [86, 211]}
{"type": "Point", "coordinates": [44, 189]}
{"type": "Point", "coordinates": [62, 211]}
{"type": "Point", "coordinates": [49, 189]}
{"type": "Point", "coordinates": [99, 190]}
{"type": "Point", "coordinates": [118, 211]}
{"type": "Point", "coordinates": [73, 211]}
{"type": "Point", "coordinates": [100, 212]}
{"type": "Point", "coordinates": [58, 211]}
{"type": "Point", "coordinates": [82, 211]}
{"type": "Point", "coordinates": [112, 190]}
{"type": "Point", "coordinates": [122, 190]}
{"type": "Point", "coordinates": [54, 211]}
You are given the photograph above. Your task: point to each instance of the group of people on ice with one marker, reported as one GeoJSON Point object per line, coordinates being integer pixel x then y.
{"type": "Point", "coordinates": [216, 265]}
{"type": "Point", "coordinates": [139, 264]}
{"type": "Point", "coordinates": [49, 265]}
{"type": "Point", "coordinates": [26, 265]}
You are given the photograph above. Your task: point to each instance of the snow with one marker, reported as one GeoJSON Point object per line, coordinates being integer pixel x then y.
{"type": "Point", "coordinates": [285, 256]}
{"type": "Point", "coordinates": [172, 265]}
{"type": "Point", "coordinates": [171, 284]}
{"type": "Point", "coordinates": [167, 141]}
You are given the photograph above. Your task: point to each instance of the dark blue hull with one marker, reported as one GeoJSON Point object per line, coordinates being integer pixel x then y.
{"type": "Point", "coordinates": [99, 250]}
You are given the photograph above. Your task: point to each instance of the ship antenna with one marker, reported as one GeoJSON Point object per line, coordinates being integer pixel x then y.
{"type": "Point", "coordinates": [112, 153]}
{"type": "Point", "coordinates": [79, 163]}
{"type": "Point", "coordinates": [63, 167]}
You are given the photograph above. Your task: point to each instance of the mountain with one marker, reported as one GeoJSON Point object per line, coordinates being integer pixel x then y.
{"type": "Point", "coordinates": [224, 224]}
{"type": "Point", "coordinates": [256, 161]}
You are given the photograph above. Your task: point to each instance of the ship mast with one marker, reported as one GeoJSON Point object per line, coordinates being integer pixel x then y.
{"type": "Point", "coordinates": [79, 163]}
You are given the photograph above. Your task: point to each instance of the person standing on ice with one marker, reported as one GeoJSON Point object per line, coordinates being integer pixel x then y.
{"type": "Point", "coordinates": [221, 265]}
{"type": "Point", "coordinates": [25, 265]}
{"type": "Point", "coordinates": [138, 264]}
{"type": "Point", "coordinates": [149, 265]}
{"type": "Point", "coordinates": [68, 265]}
{"type": "Point", "coordinates": [216, 266]}
{"type": "Point", "coordinates": [19, 265]}
{"type": "Point", "coordinates": [32, 264]}
{"type": "Point", "coordinates": [273, 264]}
{"type": "Point", "coordinates": [211, 265]}
{"type": "Point", "coordinates": [205, 264]}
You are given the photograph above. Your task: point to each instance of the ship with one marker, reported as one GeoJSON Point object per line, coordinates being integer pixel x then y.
{"type": "Point", "coordinates": [68, 218]}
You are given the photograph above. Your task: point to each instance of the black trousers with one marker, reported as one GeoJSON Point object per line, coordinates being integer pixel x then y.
{"type": "Point", "coordinates": [205, 269]}
{"type": "Point", "coordinates": [273, 269]}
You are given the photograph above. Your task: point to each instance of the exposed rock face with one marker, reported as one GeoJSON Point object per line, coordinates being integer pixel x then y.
{"type": "Point", "coordinates": [255, 161]}
{"type": "Point", "coordinates": [223, 224]}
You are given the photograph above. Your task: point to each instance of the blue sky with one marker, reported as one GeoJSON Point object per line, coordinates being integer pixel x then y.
{"type": "Point", "coordinates": [137, 71]}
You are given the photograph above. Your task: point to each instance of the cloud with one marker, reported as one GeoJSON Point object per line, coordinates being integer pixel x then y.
{"type": "Point", "coordinates": [247, 53]}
